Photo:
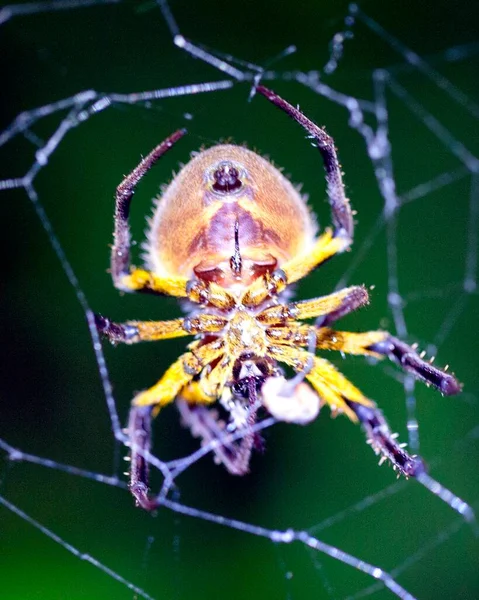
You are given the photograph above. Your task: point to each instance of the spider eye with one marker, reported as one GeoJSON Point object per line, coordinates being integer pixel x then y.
{"type": "Point", "coordinates": [226, 178]}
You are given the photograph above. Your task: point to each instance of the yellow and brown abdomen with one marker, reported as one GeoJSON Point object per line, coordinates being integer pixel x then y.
{"type": "Point", "coordinates": [193, 226]}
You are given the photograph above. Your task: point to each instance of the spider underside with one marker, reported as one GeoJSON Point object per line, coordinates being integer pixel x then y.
{"type": "Point", "coordinates": [245, 328]}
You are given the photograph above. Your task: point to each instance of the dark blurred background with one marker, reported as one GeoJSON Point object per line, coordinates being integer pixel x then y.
{"type": "Point", "coordinates": [52, 403]}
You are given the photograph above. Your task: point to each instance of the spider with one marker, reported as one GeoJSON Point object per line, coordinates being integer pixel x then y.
{"type": "Point", "coordinates": [230, 234]}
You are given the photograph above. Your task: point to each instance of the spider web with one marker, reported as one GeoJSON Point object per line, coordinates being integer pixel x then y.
{"type": "Point", "coordinates": [316, 516]}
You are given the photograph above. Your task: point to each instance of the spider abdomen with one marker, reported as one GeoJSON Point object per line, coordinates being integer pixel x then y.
{"type": "Point", "coordinates": [228, 198]}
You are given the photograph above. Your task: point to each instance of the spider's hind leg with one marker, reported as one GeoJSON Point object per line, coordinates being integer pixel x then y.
{"type": "Point", "coordinates": [139, 433]}
{"type": "Point", "coordinates": [383, 441]}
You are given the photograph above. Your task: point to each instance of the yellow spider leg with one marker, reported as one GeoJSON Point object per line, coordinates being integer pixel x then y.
{"type": "Point", "coordinates": [179, 375]}
{"type": "Point", "coordinates": [328, 339]}
{"type": "Point", "coordinates": [351, 343]}
{"type": "Point", "coordinates": [213, 383]}
{"type": "Point", "coordinates": [157, 330]}
{"type": "Point", "coordinates": [296, 268]}
{"type": "Point", "coordinates": [210, 387]}
{"type": "Point", "coordinates": [132, 332]}
{"type": "Point", "coordinates": [326, 246]}
{"type": "Point", "coordinates": [193, 394]}
{"type": "Point", "coordinates": [162, 330]}
{"type": "Point", "coordinates": [330, 384]}
{"type": "Point", "coordinates": [141, 280]}
{"type": "Point", "coordinates": [307, 309]}
{"type": "Point", "coordinates": [201, 292]}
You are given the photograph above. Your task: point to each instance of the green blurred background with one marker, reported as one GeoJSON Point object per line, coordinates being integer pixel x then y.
{"type": "Point", "coordinates": [52, 403]}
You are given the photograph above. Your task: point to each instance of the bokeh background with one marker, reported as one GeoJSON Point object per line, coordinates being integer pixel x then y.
{"type": "Point", "coordinates": [52, 403]}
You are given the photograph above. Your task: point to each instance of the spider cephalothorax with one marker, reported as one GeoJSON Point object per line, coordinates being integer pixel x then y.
{"type": "Point", "coordinates": [230, 234]}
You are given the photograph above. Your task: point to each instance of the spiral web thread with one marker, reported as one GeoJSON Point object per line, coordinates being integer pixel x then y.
{"type": "Point", "coordinates": [83, 105]}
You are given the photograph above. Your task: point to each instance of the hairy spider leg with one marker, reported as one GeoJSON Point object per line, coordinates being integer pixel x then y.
{"type": "Point", "coordinates": [352, 297]}
{"type": "Point", "coordinates": [179, 374]}
{"type": "Point", "coordinates": [379, 344]}
{"type": "Point", "coordinates": [204, 424]}
{"type": "Point", "coordinates": [298, 267]}
{"type": "Point", "coordinates": [139, 435]}
{"type": "Point", "coordinates": [412, 362]}
{"type": "Point", "coordinates": [177, 382]}
{"type": "Point", "coordinates": [331, 385]}
{"type": "Point", "coordinates": [330, 242]}
{"type": "Point", "coordinates": [128, 279]}
{"type": "Point", "coordinates": [383, 441]}
{"type": "Point", "coordinates": [340, 206]}
{"type": "Point", "coordinates": [372, 343]}
{"type": "Point", "coordinates": [132, 332]}
{"type": "Point", "coordinates": [124, 278]}
{"type": "Point", "coordinates": [342, 396]}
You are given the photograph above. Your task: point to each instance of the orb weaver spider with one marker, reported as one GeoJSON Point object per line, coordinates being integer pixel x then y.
{"type": "Point", "coordinates": [230, 234]}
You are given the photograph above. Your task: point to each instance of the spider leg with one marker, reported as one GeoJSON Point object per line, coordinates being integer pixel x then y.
{"type": "Point", "coordinates": [139, 434]}
{"type": "Point", "coordinates": [147, 404]}
{"type": "Point", "coordinates": [331, 385]}
{"type": "Point", "coordinates": [412, 362]}
{"type": "Point", "coordinates": [328, 339]}
{"type": "Point", "coordinates": [129, 279]}
{"type": "Point", "coordinates": [180, 373]}
{"type": "Point", "coordinates": [132, 332]}
{"type": "Point", "coordinates": [298, 267]}
{"type": "Point", "coordinates": [329, 243]}
{"type": "Point", "coordinates": [382, 343]}
{"type": "Point", "coordinates": [326, 307]}
{"type": "Point", "coordinates": [326, 246]}
{"type": "Point", "coordinates": [340, 207]}
{"type": "Point", "coordinates": [383, 441]}
{"type": "Point", "coordinates": [123, 277]}
{"type": "Point", "coordinates": [196, 290]}
{"type": "Point", "coordinates": [233, 447]}
{"type": "Point", "coordinates": [378, 344]}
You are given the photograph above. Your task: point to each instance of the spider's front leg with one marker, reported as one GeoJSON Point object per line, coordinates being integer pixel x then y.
{"type": "Point", "coordinates": [128, 279]}
{"type": "Point", "coordinates": [124, 277]}
{"type": "Point", "coordinates": [340, 207]}
{"type": "Point", "coordinates": [331, 241]}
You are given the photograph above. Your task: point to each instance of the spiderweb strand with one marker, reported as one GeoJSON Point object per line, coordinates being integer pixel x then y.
{"type": "Point", "coordinates": [30, 8]}
{"type": "Point", "coordinates": [289, 536]}
{"type": "Point", "coordinates": [429, 546]}
{"type": "Point", "coordinates": [418, 63]}
{"type": "Point", "coordinates": [81, 555]}
{"type": "Point", "coordinates": [84, 105]}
